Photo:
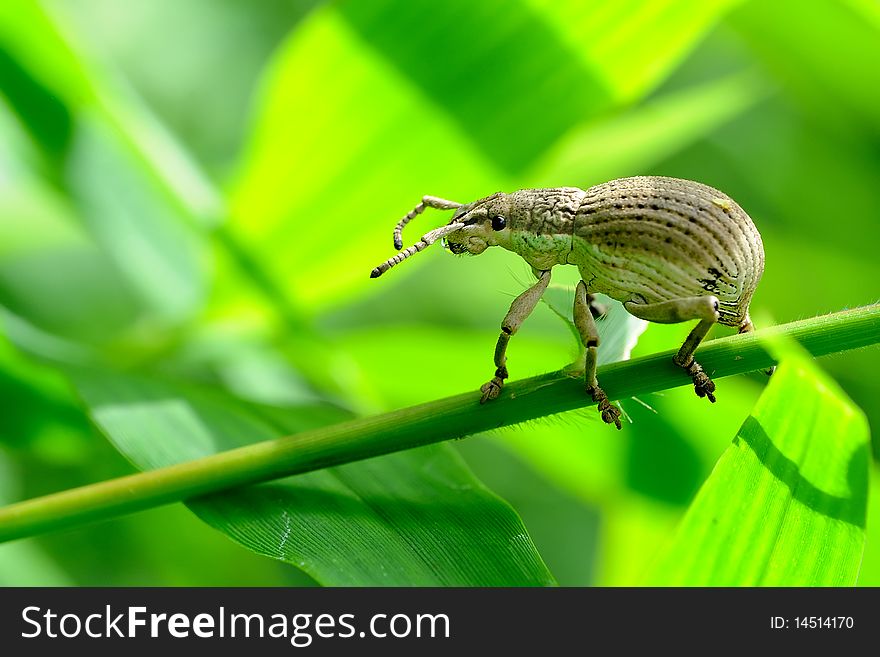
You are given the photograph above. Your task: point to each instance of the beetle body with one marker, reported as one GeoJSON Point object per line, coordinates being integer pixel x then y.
{"type": "Point", "coordinates": [648, 240]}
{"type": "Point", "coordinates": [670, 250]}
{"type": "Point", "coordinates": [642, 240]}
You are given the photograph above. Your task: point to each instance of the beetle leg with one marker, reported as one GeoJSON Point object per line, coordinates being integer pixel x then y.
{"type": "Point", "coordinates": [586, 326]}
{"type": "Point", "coordinates": [681, 310]}
{"type": "Point", "coordinates": [521, 308]}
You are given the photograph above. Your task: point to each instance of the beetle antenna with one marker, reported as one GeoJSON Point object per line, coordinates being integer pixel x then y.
{"type": "Point", "coordinates": [427, 240]}
{"type": "Point", "coordinates": [427, 202]}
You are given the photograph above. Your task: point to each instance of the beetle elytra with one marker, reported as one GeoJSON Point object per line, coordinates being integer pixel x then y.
{"type": "Point", "coordinates": [669, 250]}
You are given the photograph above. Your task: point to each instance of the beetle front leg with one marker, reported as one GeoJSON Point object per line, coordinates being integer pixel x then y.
{"type": "Point", "coordinates": [680, 310]}
{"type": "Point", "coordinates": [586, 326]}
{"type": "Point", "coordinates": [521, 308]}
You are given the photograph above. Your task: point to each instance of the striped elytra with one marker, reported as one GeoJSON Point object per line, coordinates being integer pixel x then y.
{"type": "Point", "coordinates": [651, 239]}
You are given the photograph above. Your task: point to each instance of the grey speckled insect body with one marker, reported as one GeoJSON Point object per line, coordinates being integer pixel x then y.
{"type": "Point", "coordinates": [670, 250]}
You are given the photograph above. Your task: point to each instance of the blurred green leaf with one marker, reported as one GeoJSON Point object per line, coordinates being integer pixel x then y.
{"type": "Point", "coordinates": [642, 136]}
{"type": "Point", "coordinates": [140, 229]}
{"type": "Point", "coordinates": [869, 575]}
{"type": "Point", "coordinates": [126, 180]}
{"type": "Point", "coordinates": [168, 49]}
{"type": "Point", "coordinates": [71, 79]}
{"type": "Point", "coordinates": [53, 275]}
{"type": "Point", "coordinates": [826, 55]}
{"type": "Point", "coordinates": [565, 530]}
{"type": "Point", "coordinates": [494, 81]}
{"type": "Point", "coordinates": [342, 146]}
{"type": "Point", "coordinates": [633, 45]}
{"type": "Point", "coordinates": [413, 518]}
{"type": "Point", "coordinates": [786, 504]}
{"type": "Point", "coordinates": [24, 564]}
{"type": "Point", "coordinates": [35, 50]}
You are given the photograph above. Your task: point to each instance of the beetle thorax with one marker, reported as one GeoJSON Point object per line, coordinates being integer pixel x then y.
{"type": "Point", "coordinates": [535, 224]}
{"type": "Point", "coordinates": [542, 223]}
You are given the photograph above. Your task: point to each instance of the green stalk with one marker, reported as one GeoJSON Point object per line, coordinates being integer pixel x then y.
{"type": "Point", "coordinates": [443, 419]}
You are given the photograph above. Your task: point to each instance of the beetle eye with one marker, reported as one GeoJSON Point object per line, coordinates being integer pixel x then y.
{"type": "Point", "coordinates": [498, 222]}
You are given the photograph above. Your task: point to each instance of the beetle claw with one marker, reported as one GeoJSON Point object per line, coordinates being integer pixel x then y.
{"type": "Point", "coordinates": [491, 390]}
{"type": "Point", "coordinates": [610, 413]}
{"type": "Point", "coordinates": [703, 385]}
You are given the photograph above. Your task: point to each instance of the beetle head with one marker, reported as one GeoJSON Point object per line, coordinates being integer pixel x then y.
{"type": "Point", "coordinates": [485, 223]}
{"type": "Point", "coordinates": [474, 227]}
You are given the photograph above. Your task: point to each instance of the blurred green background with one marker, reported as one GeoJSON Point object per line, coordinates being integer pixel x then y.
{"type": "Point", "coordinates": [200, 189]}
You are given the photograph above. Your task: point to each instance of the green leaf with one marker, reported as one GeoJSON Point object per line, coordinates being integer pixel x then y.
{"type": "Point", "coordinates": [128, 215]}
{"type": "Point", "coordinates": [786, 503]}
{"type": "Point", "coordinates": [412, 518]}
{"type": "Point", "coordinates": [322, 189]}
{"type": "Point", "coordinates": [60, 81]}
{"type": "Point", "coordinates": [492, 82]}
{"type": "Point", "coordinates": [869, 575]}
{"type": "Point", "coordinates": [827, 56]}
{"type": "Point", "coordinates": [632, 45]}
{"type": "Point", "coordinates": [53, 275]}
{"type": "Point", "coordinates": [132, 185]}
{"type": "Point", "coordinates": [631, 141]}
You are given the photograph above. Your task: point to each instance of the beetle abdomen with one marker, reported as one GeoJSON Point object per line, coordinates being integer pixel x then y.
{"type": "Point", "coordinates": [651, 239]}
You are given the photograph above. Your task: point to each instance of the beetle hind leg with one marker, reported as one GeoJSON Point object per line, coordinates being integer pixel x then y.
{"type": "Point", "coordinates": [681, 310]}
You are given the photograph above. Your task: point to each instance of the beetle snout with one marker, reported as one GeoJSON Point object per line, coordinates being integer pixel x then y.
{"type": "Point", "coordinates": [476, 245]}
{"type": "Point", "coordinates": [471, 244]}
{"type": "Point", "coordinates": [456, 247]}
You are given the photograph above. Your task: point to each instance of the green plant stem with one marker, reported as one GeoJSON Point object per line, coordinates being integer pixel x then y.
{"type": "Point", "coordinates": [443, 419]}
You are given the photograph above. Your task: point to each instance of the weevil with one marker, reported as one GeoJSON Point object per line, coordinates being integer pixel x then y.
{"type": "Point", "coordinates": [670, 250]}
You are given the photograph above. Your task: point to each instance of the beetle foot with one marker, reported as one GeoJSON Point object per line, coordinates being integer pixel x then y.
{"type": "Point", "coordinates": [703, 385]}
{"type": "Point", "coordinates": [610, 413]}
{"type": "Point", "coordinates": [492, 389]}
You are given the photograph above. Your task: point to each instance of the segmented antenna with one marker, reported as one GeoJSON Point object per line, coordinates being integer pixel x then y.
{"type": "Point", "coordinates": [427, 240]}
{"type": "Point", "coordinates": [427, 202]}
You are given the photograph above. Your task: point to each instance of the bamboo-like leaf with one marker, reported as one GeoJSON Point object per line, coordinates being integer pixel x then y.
{"type": "Point", "coordinates": [126, 213]}
{"type": "Point", "coordinates": [632, 45]}
{"type": "Point", "coordinates": [40, 44]}
{"type": "Point", "coordinates": [645, 135]}
{"type": "Point", "coordinates": [53, 275]}
{"type": "Point", "coordinates": [132, 185]}
{"type": "Point", "coordinates": [413, 518]}
{"type": "Point", "coordinates": [826, 56]}
{"type": "Point", "coordinates": [786, 503]}
{"type": "Point", "coordinates": [324, 181]}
